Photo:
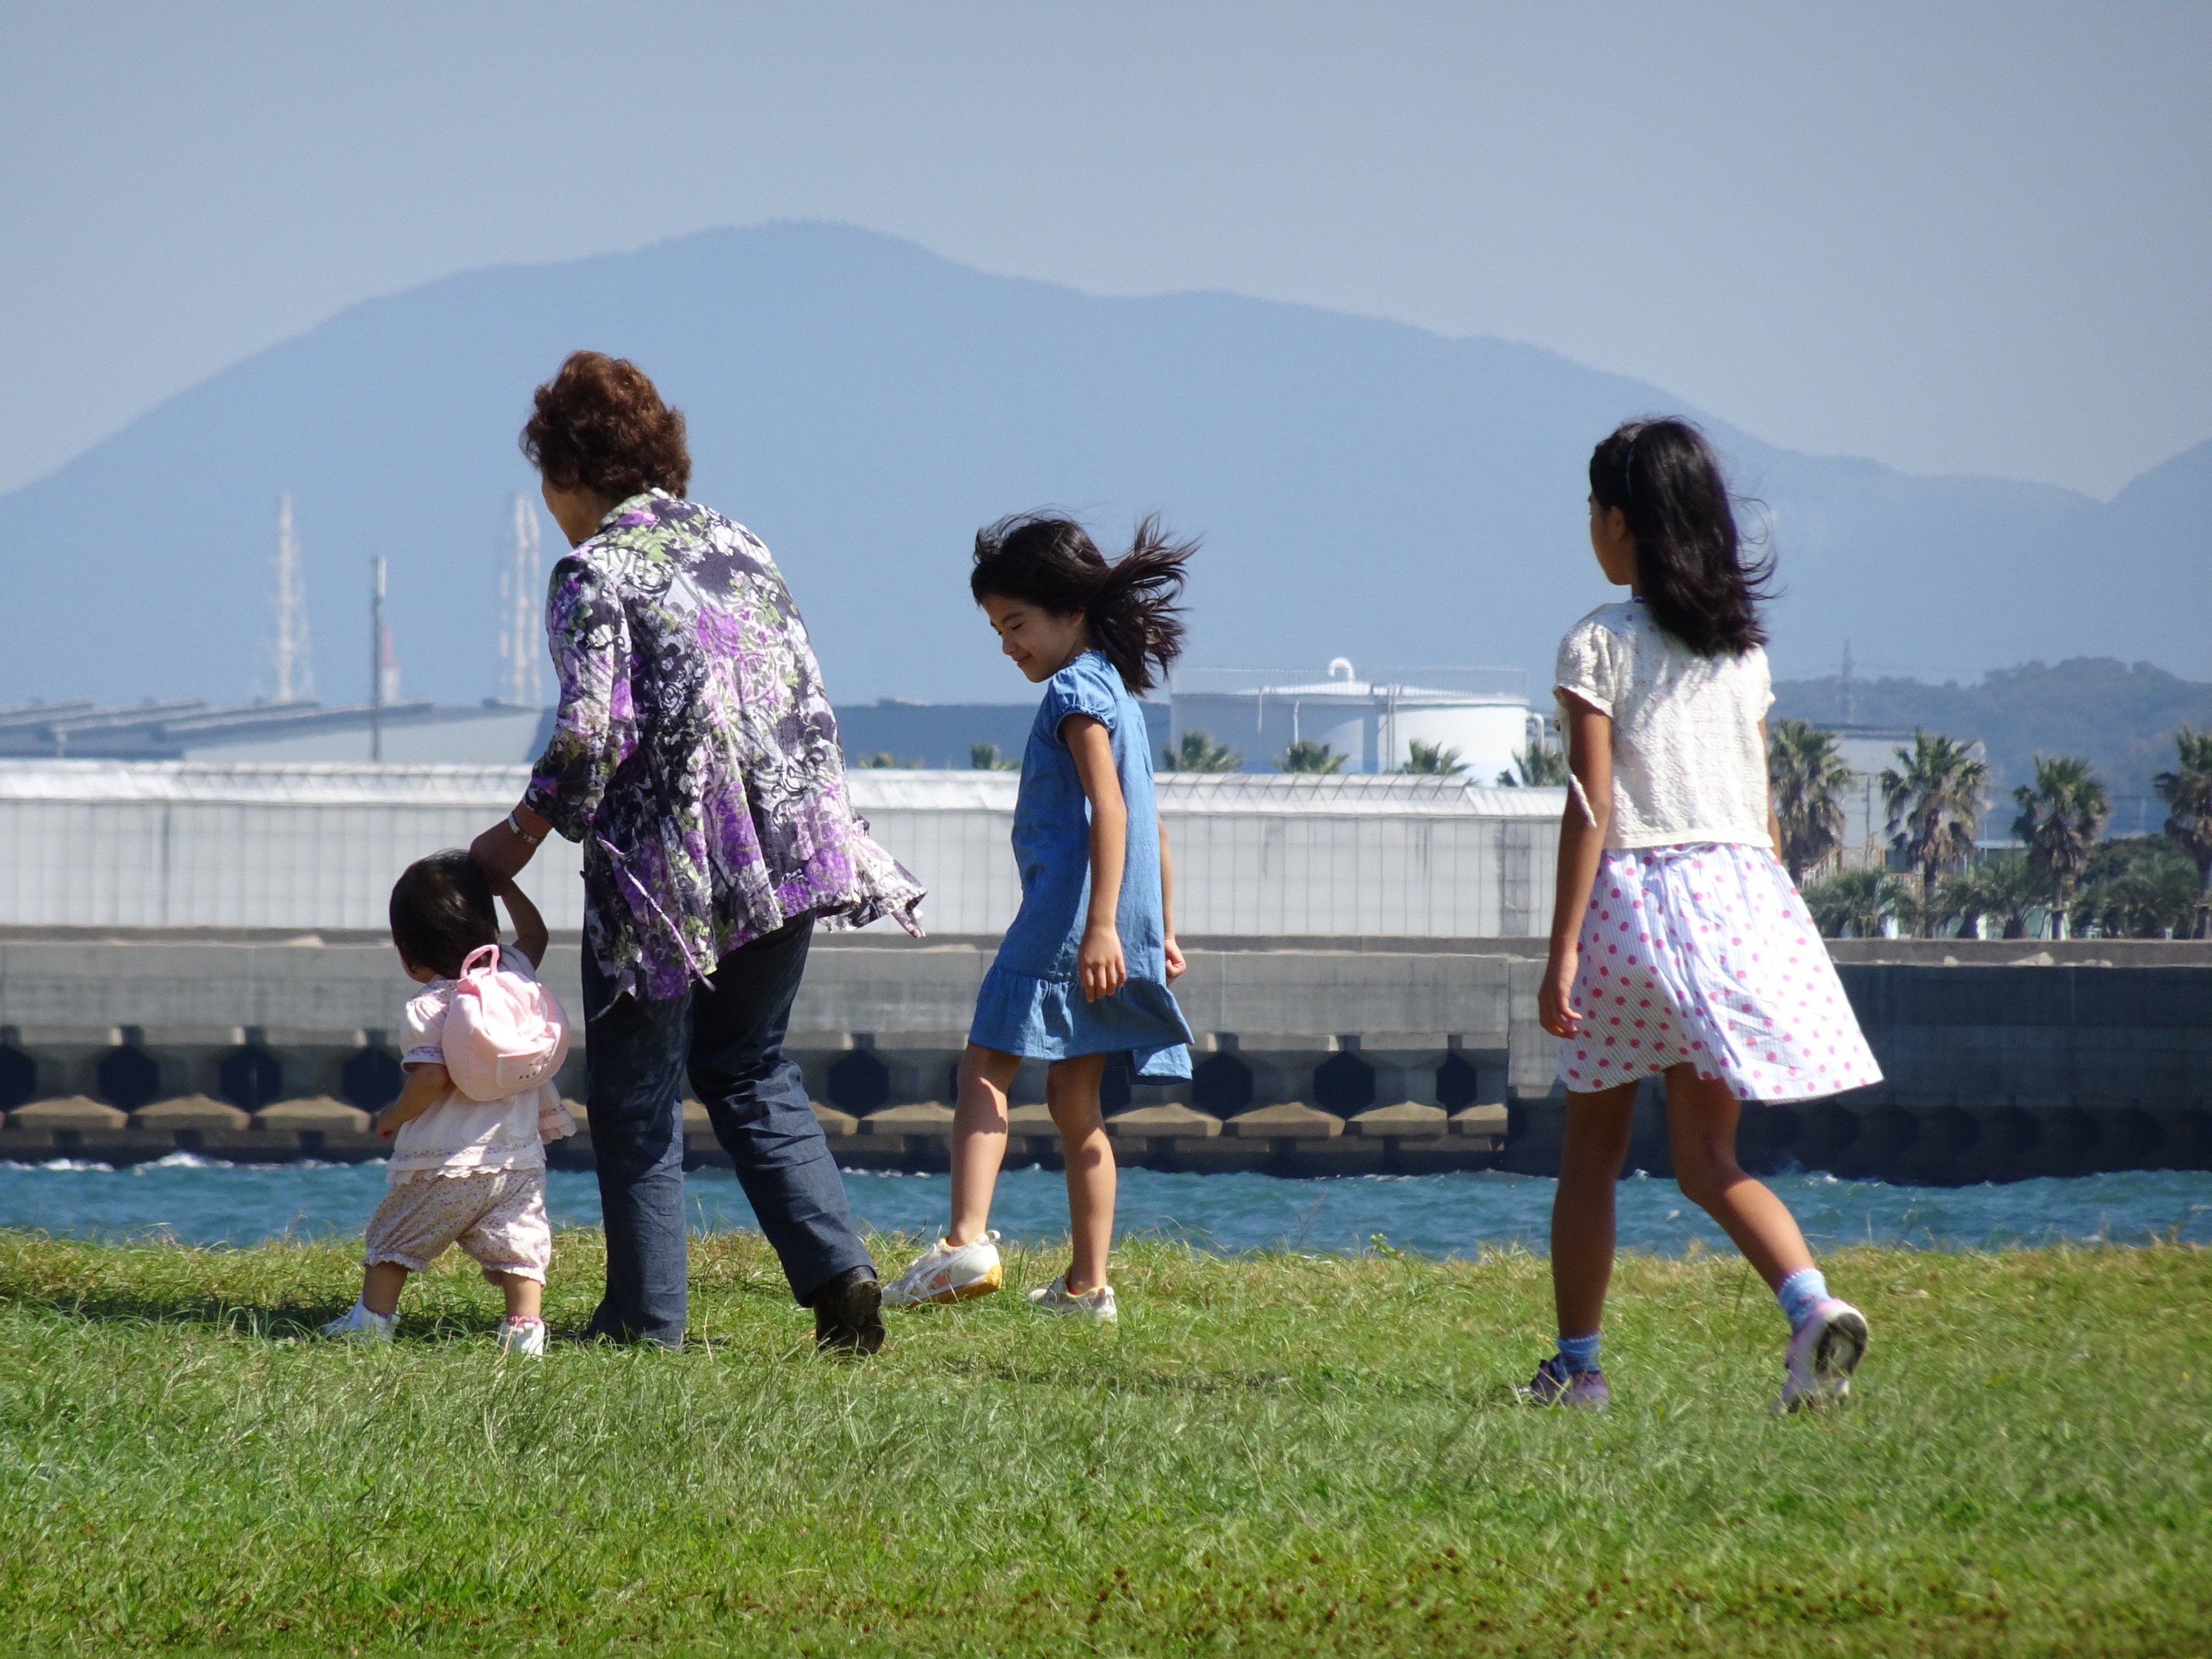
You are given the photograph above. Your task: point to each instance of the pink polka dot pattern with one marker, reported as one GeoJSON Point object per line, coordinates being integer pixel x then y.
{"type": "Point", "coordinates": [1705, 955]}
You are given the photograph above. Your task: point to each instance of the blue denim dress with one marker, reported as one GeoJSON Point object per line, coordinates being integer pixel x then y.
{"type": "Point", "coordinates": [1030, 1003]}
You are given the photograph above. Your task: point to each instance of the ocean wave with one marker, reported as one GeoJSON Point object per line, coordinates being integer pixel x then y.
{"type": "Point", "coordinates": [61, 1166]}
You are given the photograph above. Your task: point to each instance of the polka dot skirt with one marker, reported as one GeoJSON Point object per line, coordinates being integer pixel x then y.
{"type": "Point", "coordinates": [1705, 955]}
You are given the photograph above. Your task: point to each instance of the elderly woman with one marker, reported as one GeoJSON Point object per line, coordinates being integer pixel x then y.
{"type": "Point", "coordinates": [696, 756]}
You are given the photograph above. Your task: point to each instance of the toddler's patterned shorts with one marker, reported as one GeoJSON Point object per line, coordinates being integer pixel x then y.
{"type": "Point", "coordinates": [497, 1216]}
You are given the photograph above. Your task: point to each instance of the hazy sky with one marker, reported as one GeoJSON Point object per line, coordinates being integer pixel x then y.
{"type": "Point", "coordinates": [1951, 237]}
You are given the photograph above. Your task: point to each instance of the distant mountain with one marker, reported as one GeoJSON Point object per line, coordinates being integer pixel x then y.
{"type": "Point", "coordinates": [2118, 717]}
{"type": "Point", "coordinates": [1365, 488]}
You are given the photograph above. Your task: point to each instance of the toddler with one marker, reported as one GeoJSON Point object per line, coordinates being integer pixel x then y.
{"type": "Point", "coordinates": [464, 1172]}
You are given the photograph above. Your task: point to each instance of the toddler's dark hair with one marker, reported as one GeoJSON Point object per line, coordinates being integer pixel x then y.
{"type": "Point", "coordinates": [1130, 603]}
{"type": "Point", "coordinates": [442, 910]}
{"type": "Point", "coordinates": [1663, 476]}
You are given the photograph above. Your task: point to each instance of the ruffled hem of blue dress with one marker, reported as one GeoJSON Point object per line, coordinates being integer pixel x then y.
{"type": "Point", "coordinates": [1018, 1013]}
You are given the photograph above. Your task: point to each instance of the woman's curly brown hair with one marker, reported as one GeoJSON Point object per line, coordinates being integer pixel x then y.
{"type": "Point", "coordinates": [599, 425]}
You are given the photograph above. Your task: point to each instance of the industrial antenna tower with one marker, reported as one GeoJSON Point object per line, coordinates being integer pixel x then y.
{"type": "Point", "coordinates": [288, 652]}
{"type": "Point", "coordinates": [521, 611]}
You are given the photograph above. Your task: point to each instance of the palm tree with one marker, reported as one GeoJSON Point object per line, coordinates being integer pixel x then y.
{"type": "Point", "coordinates": [1935, 804]}
{"type": "Point", "coordinates": [1307, 756]}
{"type": "Point", "coordinates": [1859, 900]}
{"type": "Point", "coordinates": [2152, 891]}
{"type": "Point", "coordinates": [2001, 886]}
{"type": "Point", "coordinates": [2060, 814]}
{"type": "Point", "coordinates": [1196, 751]}
{"type": "Point", "coordinates": [1432, 760]}
{"type": "Point", "coordinates": [1540, 766]}
{"type": "Point", "coordinates": [1806, 776]}
{"type": "Point", "coordinates": [2187, 793]}
{"type": "Point", "coordinates": [985, 757]}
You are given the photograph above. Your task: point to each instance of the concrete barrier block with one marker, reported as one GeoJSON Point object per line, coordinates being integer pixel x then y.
{"type": "Point", "coordinates": [1291, 1120]}
{"type": "Point", "coordinates": [695, 1121]}
{"type": "Point", "coordinates": [835, 1124]}
{"type": "Point", "coordinates": [1169, 1122]}
{"type": "Point", "coordinates": [1488, 1121]}
{"type": "Point", "coordinates": [1408, 1119]}
{"type": "Point", "coordinates": [927, 1119]}
{"type": "Point", "coordinates": [189, 1113]}
{"type": "Point", "coordinates": [317, 1113]}
{"type": "Point", "coordinates": [76, 1112]}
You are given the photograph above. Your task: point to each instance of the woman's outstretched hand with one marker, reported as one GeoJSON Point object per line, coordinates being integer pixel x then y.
{"type": "Point", "coordinates": [1555, 1009]}
{"type": "Point", "coordinates": [1099, 966]}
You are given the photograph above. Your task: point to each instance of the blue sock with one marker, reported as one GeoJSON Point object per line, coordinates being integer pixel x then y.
{"type": "Point", "coordinates": [1578, 1354]}
{"type": "Point", "coordinates": [1799, 1294]}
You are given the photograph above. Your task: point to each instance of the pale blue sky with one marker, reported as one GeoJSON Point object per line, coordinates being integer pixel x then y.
{"type": "Point", "coordinates": [1953, 238]}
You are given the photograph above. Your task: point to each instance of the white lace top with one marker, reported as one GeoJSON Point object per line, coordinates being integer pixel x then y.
{"type": "Point", "coordinates": [1687, 765]}
{"type": "Point", "coordinates": [459, 1136]}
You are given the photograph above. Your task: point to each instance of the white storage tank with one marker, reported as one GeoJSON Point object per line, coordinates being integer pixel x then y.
{"type": "Point", "coordinates": [1373, 721]}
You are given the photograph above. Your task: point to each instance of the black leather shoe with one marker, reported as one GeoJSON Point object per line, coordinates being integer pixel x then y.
{"type": "Point", "coordinates": [849, 1312]}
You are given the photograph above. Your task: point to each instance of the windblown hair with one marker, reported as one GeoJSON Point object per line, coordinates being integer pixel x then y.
{"type": "Point", "coordinates": [599, 425]}
{"type": "Point", "coordinates": [1663, 476]}
{"type": "Point", "coordinates": [442, 910]}
{"type": "Point", "coordinates": [1130, 604]}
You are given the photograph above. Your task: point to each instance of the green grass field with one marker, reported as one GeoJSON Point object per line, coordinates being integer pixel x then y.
{"type": "Point", "coordinates": [1270, 1454]}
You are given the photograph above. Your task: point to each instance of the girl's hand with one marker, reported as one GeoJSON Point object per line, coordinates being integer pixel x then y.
{"type": "Point", "coordinates": [1098, 965]}
{"type": "Point", "coordinates": [387, 1126]}
{"type": "Point", "coordinates": [1555, 1010]}
{"type": "Point", "coordinates": [1176, 963]}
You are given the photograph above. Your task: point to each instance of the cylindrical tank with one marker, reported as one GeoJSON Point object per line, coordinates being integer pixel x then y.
{"type": "Point", "coordinates": [1479, 715]}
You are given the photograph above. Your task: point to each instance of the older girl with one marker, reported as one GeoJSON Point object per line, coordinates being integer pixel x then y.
{"type": "Point", "coordinates": [1678, 945]}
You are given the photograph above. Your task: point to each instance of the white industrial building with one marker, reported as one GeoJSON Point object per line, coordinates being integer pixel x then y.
{"type": "Point", "coordinates": [176, 844]}
{"type": "Point", "coordinates": [1481, 713]}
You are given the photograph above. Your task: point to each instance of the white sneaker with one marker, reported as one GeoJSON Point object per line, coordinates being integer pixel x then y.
{"type": "Point", "coordinates": [1096, 1306]}
{"type": "Point", "coordinates": [525, 1339]}
{"type": "Point", "coordinates": [1823, 1354]}
{"type": "Point", "coordinates": [949, 1273]}
{"type": "Point", "coordinates": [358, 1324]}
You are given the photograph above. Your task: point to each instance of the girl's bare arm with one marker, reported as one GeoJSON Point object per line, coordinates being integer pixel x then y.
{"type": "Point", "coordinates": [1167, 907]}
{"type": "Point", "coordinates": [1581, 844]}
{"type": "Point", "coordinates": [1099, 966]}
{"type": "Point", "coordinates": [427, 1083]}
{"type": "Point", "coordinates": [530, 934]}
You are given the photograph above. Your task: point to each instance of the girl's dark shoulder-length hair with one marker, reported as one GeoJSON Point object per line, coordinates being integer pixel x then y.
{"type": "Point", "coordinates": [1690, 560]}
{"type": "Point", "coordinates": [441, 909]}
{"type": "Point", "coordinates": [600, 424]}
{"type": "Point", "coordinates": [1131, 603]}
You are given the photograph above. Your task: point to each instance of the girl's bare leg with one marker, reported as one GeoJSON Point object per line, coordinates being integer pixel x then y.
{"type": "Point", "coordinates": [1701, 1119]}
{"type": "Point", "coordinates": [1598, 1126]}
{"type": "Point", "coordinates": [1071, 1091]}
{"type": "Point", "coordinates": [525, 1297]}
{"type": "Point", "coordinates": [979, 1138]}
{"type": "Point", "coordinates": [380, 1284]}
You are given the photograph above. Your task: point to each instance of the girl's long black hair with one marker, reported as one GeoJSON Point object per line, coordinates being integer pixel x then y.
{"type": "Point", "coordinates": [1130, 604]}
{"type": "Point", "coordinates": [1698, 586]}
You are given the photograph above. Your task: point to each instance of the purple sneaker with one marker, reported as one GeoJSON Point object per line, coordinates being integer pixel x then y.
{"type": "Point", "coordinates": [1823, 1354]}
{"type": "Point", "coordinates": [1555, 1385]}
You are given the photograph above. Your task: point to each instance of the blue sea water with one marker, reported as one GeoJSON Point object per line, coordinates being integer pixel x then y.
{"type": "Point", "coordinates": [204, 1201]}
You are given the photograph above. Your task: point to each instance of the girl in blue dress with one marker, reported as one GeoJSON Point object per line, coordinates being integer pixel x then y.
{"type": "Point", "coordinates": [1083, 974]}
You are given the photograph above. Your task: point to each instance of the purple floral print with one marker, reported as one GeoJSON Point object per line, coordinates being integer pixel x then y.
{"type": "Point", "coordinates": [694, 753]}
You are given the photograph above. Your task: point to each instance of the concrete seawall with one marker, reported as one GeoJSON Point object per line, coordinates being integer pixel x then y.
{"type": "Point", "coordinates": [1315, 1055]}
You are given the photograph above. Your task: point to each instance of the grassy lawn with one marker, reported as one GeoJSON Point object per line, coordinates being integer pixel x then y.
{"type": "Point", "coordinates": [1270, 1454]}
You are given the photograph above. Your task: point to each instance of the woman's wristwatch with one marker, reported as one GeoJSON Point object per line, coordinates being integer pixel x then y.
{"type": "Point", "coordinates": [527, 837]}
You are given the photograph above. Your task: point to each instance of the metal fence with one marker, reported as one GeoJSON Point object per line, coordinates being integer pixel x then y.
{"type": "Point", "coordinates": [89, 844]}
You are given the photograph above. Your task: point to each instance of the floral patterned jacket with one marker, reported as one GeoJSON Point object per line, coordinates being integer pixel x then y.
{"type": "Point", "coordinates": [694, 753]}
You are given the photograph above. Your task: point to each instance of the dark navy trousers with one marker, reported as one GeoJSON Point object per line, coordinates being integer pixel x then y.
{"type": "Point", "coordinates": [726, 1037]}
